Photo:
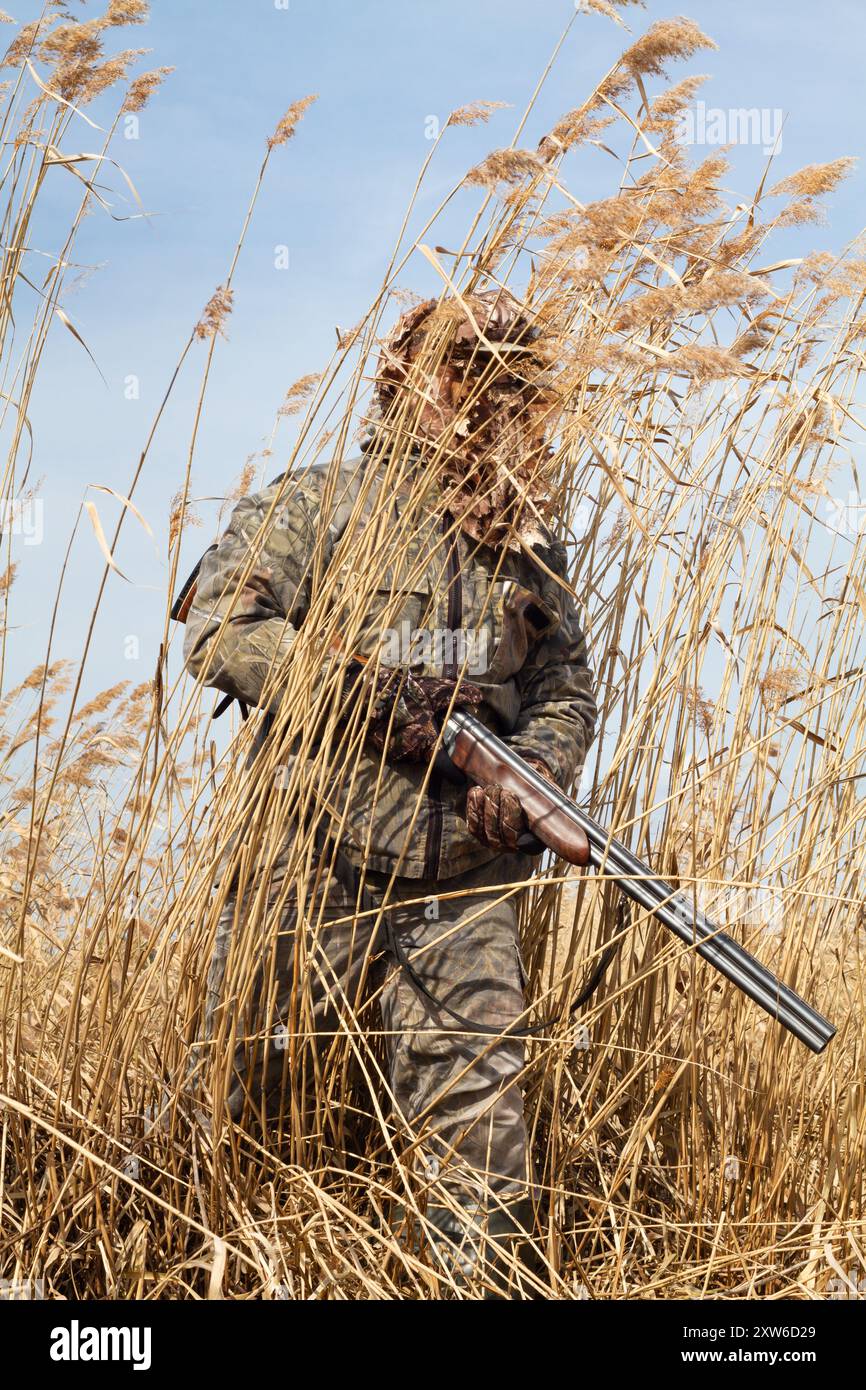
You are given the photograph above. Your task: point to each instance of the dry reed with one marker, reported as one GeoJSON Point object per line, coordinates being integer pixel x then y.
{"type": "Point", "coordinates": [701, 403]}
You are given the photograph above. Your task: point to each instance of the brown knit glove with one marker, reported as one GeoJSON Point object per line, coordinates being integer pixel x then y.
{"type": "Point", "coordinates": [418, 703]}
{"type": "Point", "coordinates": [496, 817]}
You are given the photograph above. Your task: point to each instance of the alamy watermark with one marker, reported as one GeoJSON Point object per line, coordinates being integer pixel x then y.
{"type": "Point", "coordinates": [847, 517]}
{"type": "Point", "coordinates": [852, 1285]}
{"type": "Point", "coordinates": [21, 1290]}
{"type": "Point", "coordinates": [756, 905]}
{"type": "Point", "coordinates": [735, 125]}
{"type": "Point", "coordinates": [77, 1343]}
{"type": "Point", "coordinates": [436, 647]}
{"type": "Point", "coordinates": [23, 516]}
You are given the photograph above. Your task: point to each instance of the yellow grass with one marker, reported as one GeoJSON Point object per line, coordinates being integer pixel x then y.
{"type": "Point", "coordinates": [705, 406]}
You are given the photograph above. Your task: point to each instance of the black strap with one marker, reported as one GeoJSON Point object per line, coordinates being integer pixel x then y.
{"type": "Point", "coordinates": [595, 978]}
{"type": "Point", "coordinates": [222, 705]}
{"type": "Point", "coordinates": [395, 945]}
{"type": "Point", "coordinates": [181, 606]}
{"type": "Point", "coordinates": [349, 878]}
{"type": "Point", "coordinates": [607, 956]}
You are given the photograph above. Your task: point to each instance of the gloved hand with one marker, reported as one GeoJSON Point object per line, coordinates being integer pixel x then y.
{"type": "Point", "coordinates": [417, 703]}
{"type": "Point", "coordinates": [496, 817]}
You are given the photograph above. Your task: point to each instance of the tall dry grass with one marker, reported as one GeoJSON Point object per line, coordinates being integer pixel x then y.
{"type": "Point", "coordinates": [702, 400]}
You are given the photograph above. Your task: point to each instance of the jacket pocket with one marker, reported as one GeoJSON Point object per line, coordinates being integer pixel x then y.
{"type": "Point", "coordinates": [517, 619]}
{"type": "Point", "coordinates": [399, 625]}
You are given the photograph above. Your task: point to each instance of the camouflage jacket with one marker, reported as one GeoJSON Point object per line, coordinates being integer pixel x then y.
{"type": "Point", "coordinates": [505, 622]}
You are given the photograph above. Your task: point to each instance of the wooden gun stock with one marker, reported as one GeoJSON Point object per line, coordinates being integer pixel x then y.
{"type": "Point", "coordinates": [482, 762]}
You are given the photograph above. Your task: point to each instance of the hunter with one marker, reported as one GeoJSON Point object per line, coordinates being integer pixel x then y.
{"type": "Point", "coordinates": [451, 990]}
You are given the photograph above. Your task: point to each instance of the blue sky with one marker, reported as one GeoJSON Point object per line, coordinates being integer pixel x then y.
{"type": "Point", "coordinates": [335, 196]}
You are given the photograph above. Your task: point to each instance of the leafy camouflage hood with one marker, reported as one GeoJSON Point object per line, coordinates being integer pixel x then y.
{"type": "Point", "coordinates": [477, 409]}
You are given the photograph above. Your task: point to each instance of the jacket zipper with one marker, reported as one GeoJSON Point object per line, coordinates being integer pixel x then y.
{"type": "Point", "coordinates": [433, 848]}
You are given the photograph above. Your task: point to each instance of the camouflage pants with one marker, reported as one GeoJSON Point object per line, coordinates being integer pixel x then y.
{"type": "Point", "coordinates": [455, 1093]}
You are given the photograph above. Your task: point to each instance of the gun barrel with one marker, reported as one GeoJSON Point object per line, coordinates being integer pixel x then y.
{"type": "Point", "coordinates": [673, 908]}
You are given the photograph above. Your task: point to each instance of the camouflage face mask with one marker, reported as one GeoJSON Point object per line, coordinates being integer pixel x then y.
{"type": "Point", "coordinates": [482, 409]}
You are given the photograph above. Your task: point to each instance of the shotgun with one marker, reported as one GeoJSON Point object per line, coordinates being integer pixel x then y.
{"type": "Point", "coordinates": [562, 827]}
{"type": "Point", "coordinates": [471, 750]}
